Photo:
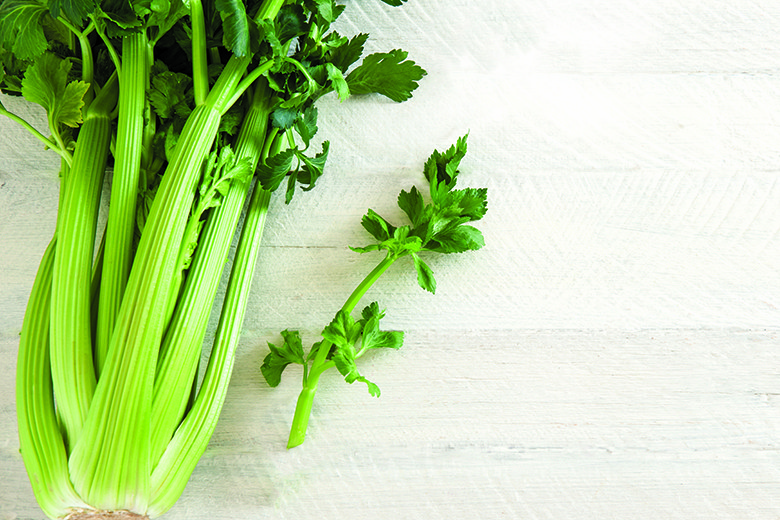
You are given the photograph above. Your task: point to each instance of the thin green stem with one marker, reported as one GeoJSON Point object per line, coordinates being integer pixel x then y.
{"type": "Point", "coordinates": [321, 363]}
{"type": "Point", "coordinates": [42, 138]}
{"type": "Point", "coordinates": [367, 282]}
{"type": "Point", "coordinates": [247, 82]}
{"type": "Point", "coordinates": [87, 59]}
{"type": "Point", "coordinates": [200, 73]}
{"type": "Point", "coordinates": [111, 50]}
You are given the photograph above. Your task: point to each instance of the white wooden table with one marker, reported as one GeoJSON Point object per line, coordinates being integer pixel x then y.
{"type": "Point", "coordinates": [613, 353]}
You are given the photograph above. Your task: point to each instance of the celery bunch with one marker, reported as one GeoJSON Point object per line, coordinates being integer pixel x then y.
{"type": "Point", "coordinates": [198, 107]}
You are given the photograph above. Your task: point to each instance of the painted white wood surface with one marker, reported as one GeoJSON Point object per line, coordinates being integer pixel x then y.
{"type": "Point", "coordinates": [614, 350]}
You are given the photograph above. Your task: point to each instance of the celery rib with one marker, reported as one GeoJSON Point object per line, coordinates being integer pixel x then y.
{"type": "Point", "coordinates": [121, 221]}
{"type": "Point", "coordinates": [181, 347]}
{"type": "Point", "coordinates": [124, 188]}
{"type": "Point", "coordinates": [73, 372]}
{"type": "Point", "coordinates": [40, 440]}
{"type": "Point", "coordinates": [191, 438]}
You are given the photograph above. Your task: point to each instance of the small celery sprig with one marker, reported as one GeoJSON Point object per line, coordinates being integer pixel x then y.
{"type": "Point", "coordinates": [439, 226]}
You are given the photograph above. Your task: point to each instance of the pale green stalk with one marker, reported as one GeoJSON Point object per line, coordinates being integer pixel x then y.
{"type": "Point", "coordinates": [73, 372]}
{"type": "Point", "coordinates": [133, 82]}
{"type": "Point", "coordinates": [192, 437]}
{"type": "Point", "coordinates": [200, 67]}
{"type": "Point", "coordinates": [111, 465]}
{"type": "Point", "coordinates": [40, 442]}
{"type": "Point", "coordinates": [180, 352]}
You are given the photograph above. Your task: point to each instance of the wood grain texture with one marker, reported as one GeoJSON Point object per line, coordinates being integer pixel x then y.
{"type": "Point", "coordinates": [612, 353]}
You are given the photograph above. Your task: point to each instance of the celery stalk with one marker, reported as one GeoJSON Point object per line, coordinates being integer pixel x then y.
{"type": "Point", "coordinates": [41, 445]}
{"type": "Point", "coordinates": [181, 345]}
{"type": "Point", "coordinates": [73, 372]}
{"type": "Point", "coordinates": [133, 82]}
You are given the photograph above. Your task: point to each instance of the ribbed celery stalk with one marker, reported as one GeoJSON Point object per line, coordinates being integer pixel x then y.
{"type": "Point", "coordinates": [40, 442]}
{"type": "Point", "coordinates": [181, 348]}
{"type": "Point", "coordinates": [192, 437]}
{"type": "Point", "coordinates": [73, 374]}
{"type": "Point", "coordinates": [133, 82]}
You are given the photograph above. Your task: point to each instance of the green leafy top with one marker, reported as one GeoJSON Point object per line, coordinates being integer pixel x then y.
{"type": "Point", "coordinates": [348, 339]}
{"type": "Point", "coordinates": [21, 28]}
{"type": "Point", "coordinates": [439, 226]}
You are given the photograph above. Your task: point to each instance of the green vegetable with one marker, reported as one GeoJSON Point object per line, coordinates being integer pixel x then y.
{"type": "Point", "coordinates": [439, 226]}
{"type": "Point", "coordinates": [199, 107]}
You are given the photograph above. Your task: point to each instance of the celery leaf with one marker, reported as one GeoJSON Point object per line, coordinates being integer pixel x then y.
{"type": "Point", "coordinates": [329, 10]}
{"type": "Point", "coordinates": [425, 277]}
{"type": "Point", "coordinates": [343, 330]}
{"type": "Point", "coordinates": [345, 55]}
{"type": "Point", "coordinates": [20, 28]}
{"type": "Point", "coordinates": [235, 26]}
{"type": "Point", "coordinates": [272, 172]}
{"type": "Point", "coordinates": [171, 93]}
{"type": "Point", "coordinates": [411, 202]}
{"type": "Point", "coordinates": [75, 10]}
{"type": "Point", "coordinates": [389, 74]}
{"type": "Point", "coordinates": [306, 125]}
{"type": "Point", "coordinates": [337, 80]}
{"type": "Point", "coordinates": [46, 83]}
{"type": "Point", "coordinates": [291, 351]}
{"type": "Point", "coordinates": [313, 167]}
{"type": "Point", "coordinates": [379, 228]}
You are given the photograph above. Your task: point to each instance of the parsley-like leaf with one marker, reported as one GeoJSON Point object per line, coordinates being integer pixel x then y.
{"type": "Point", "coordinates": [46, 83]}
{"type": "Point", "coordinates": [441, 169]}
{"type": "Point", "coordinates": [171, 93]}
{"type": "Point", "coordinates": [120, 16]}
{"type": "Point", "coordinates": [373, 337]}
{"type": "Point", "coordinates": [20, 28]}
{"type": "Point", "coordinates": [272, 172]}
{"type": "Point", "coordinates": [278, 358]}
{"type": "Point", "coordinates": [306, 125]}
{"type": "Point", "coordinates": [389, 74]}
{"type": "Point", "coordinates": [75, 10]}
{"type": "Point", "coordinates": [345, 55]}
{"type": "Point", "coordinates": [313, 167]}
{"type": "Point", "coordinates": [290, 22]}
{"type": "Point", "coordinates": [344, 359]}
{"type": "Point", "coordinates": [376, 225]}
{"type": "Point", "coordinates": [459, 239]}
{"type": "Point", "coordinates": [425, 277]}
{"type": "Point", "coordinates": [411, 202]}
{"type": "Point", "coordinates": [329, 10]}
{"type": "Point", "coordinates": [284, 118]}
{"type": "Point", "coordinates": [235, 26]}
{"type": "Point", "coordinates": [343, 330]}
{"type": "Point", "coordinates": [337, 80]}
